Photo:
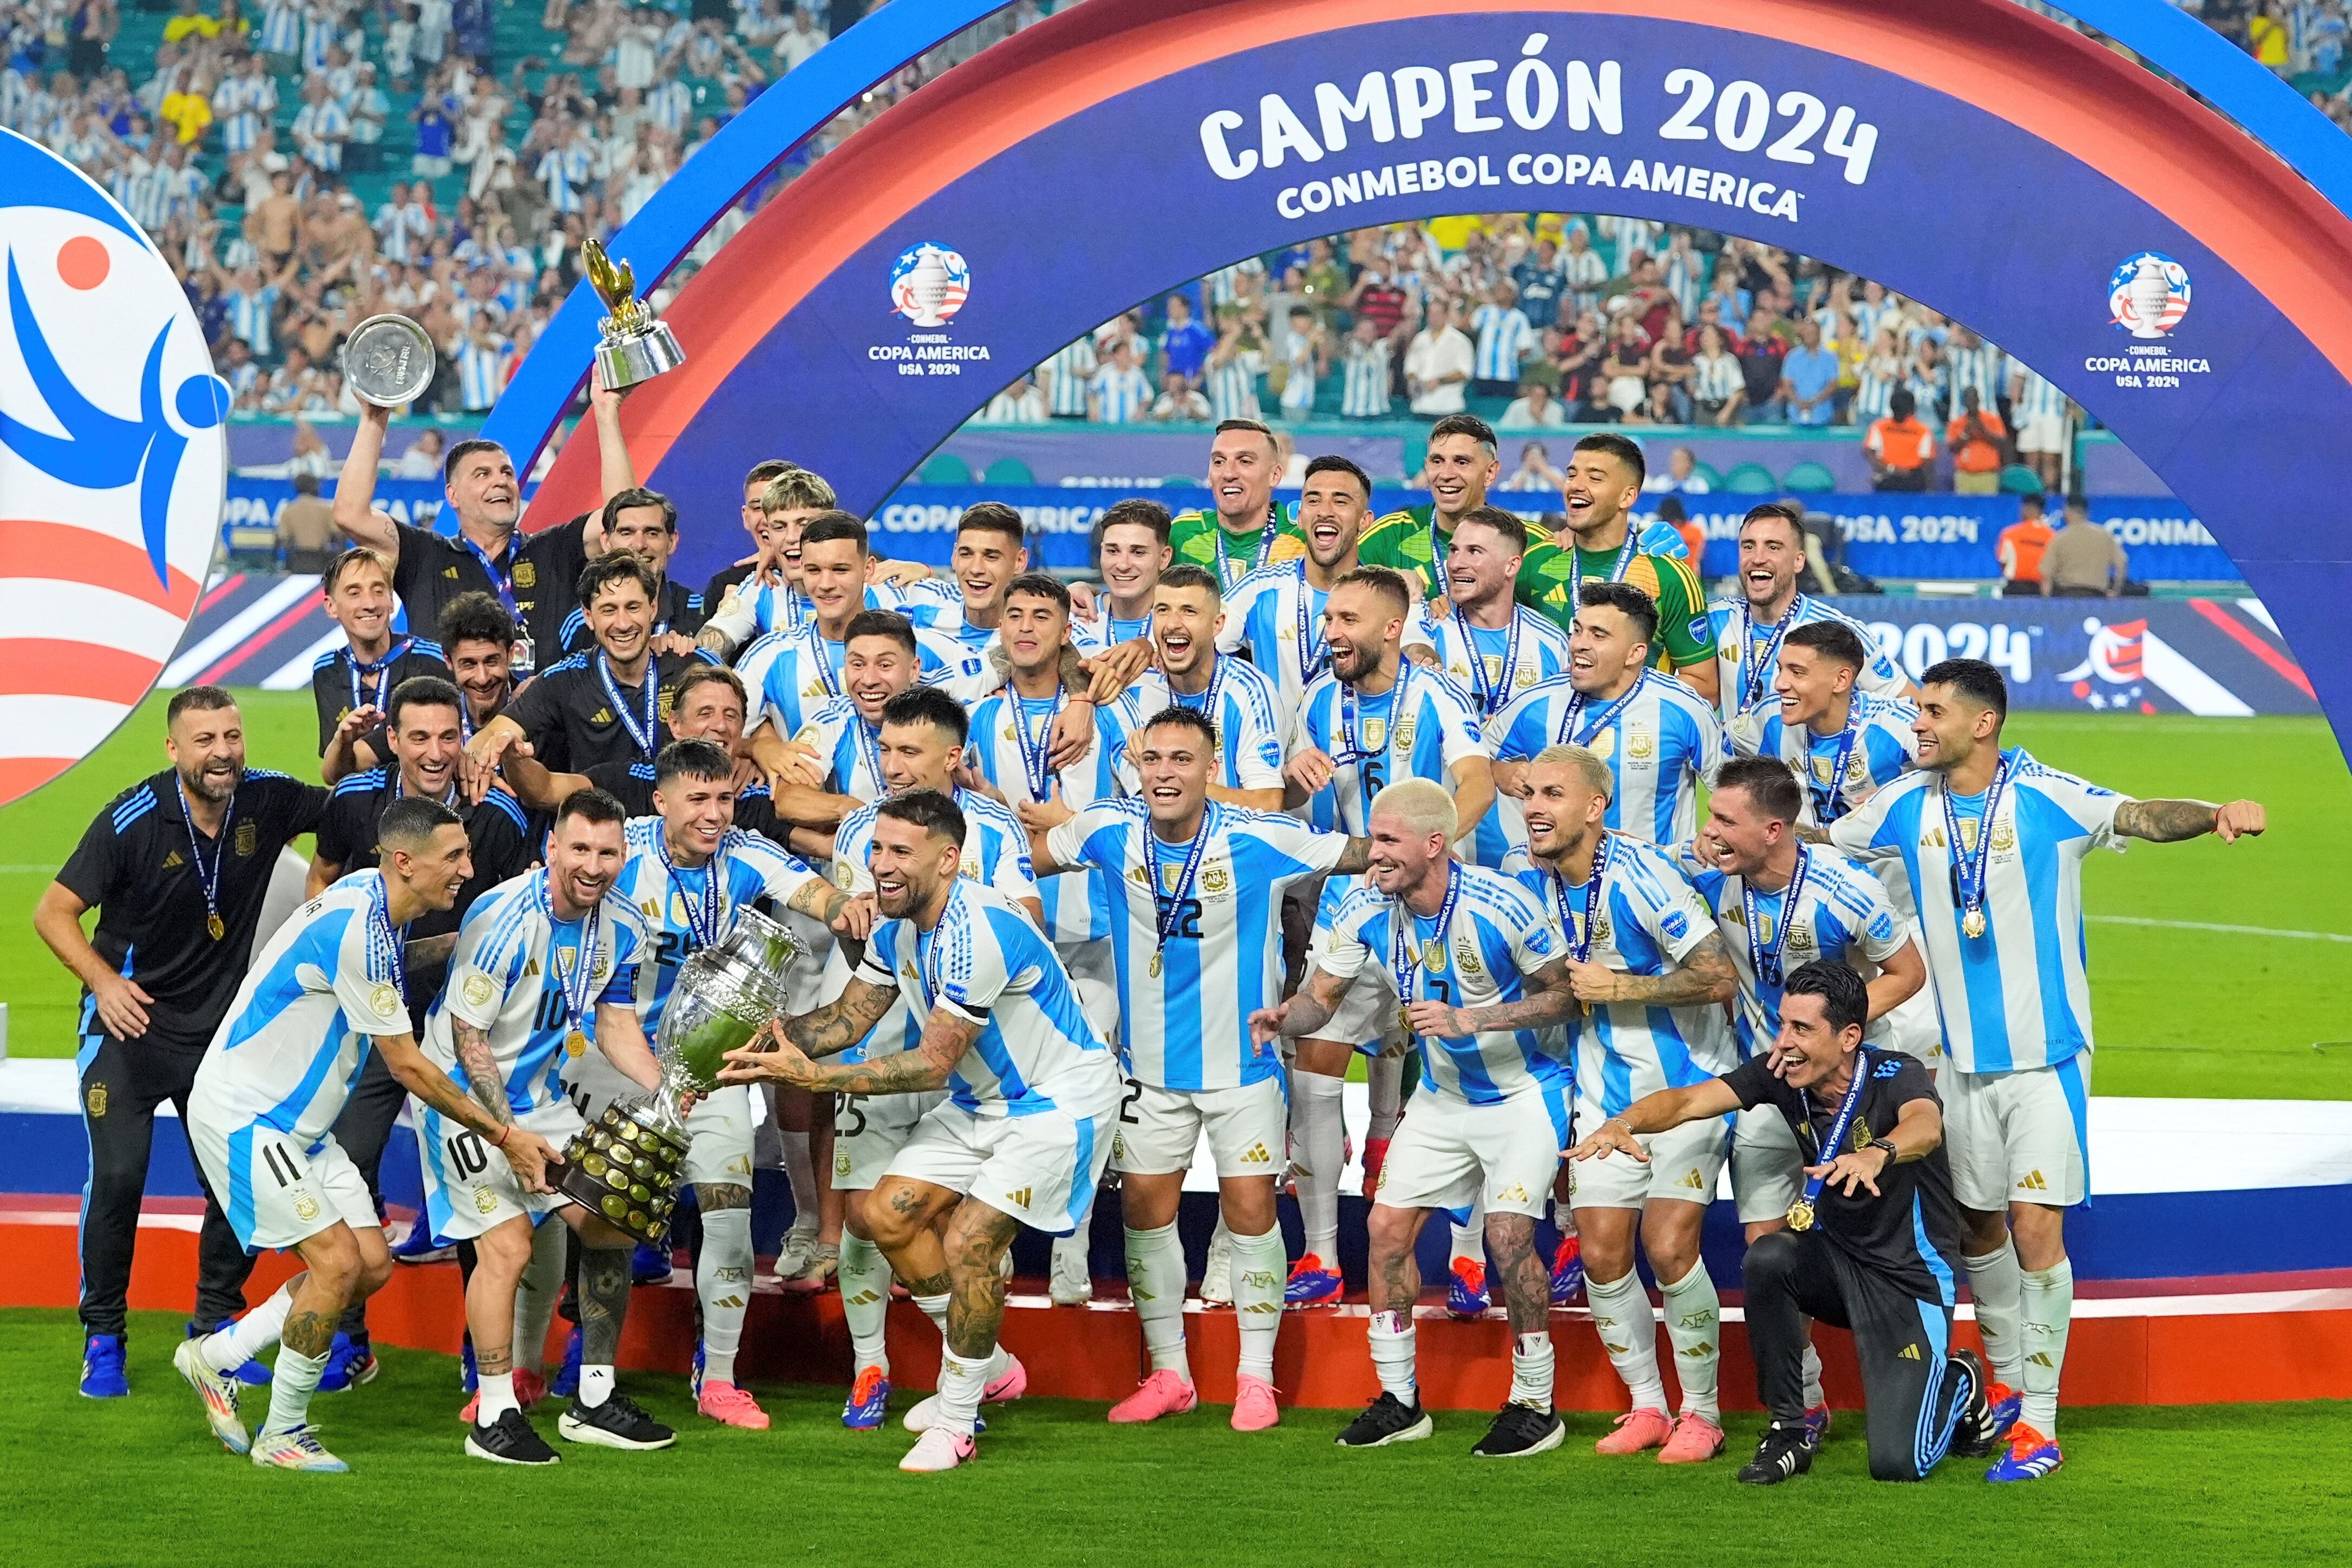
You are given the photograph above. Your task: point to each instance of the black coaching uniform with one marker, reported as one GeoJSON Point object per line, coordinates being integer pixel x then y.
{"type": "Point", "coordinates": [1882, 1267]}
{"type": "Point", "coordinates": [340, 685]}
{"type": "Point", "coordinates": [568, 717]}
{"type": "Point", "coordinates": [537, 578]}
{"type": "Point", "coordinates": [138, 866]}
{"type": "Point", "coordinates": [676, 609]}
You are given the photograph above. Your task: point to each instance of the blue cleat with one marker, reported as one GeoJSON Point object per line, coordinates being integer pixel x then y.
{"type": "Point", "coordinates": [869, 1401]}
{"type": "Point", "coordinates": [694, 1378]}
{"type": "Point", "coordinates": [350, 1363]}
{"type": "Point", "coordinates": [2003, 1406]}
{"type": "Point", "coordinates": [649, 1266]}
{"type": "Point", "coordinates": [467, 1379]}
{"type": "Point", "coordinates": [1568, 1271]}
{"type": "Point", "coordinates": [1312, 1285]}
{"type": "Point", "coordinates": [2031, 1457]}
{"type": "Point", "coordinates": [1466, 1288]}
{"type": "Point", "coordinates": [254, 1374]}
{"type": "Point", "coordinates": [102, 1376]}
{"type": "Point", "coordinates": [1817, 1427]}
{"type": "Point", "coordinates": [419, 1246]}
{"type": "Point", "coordinates": [567, 1376]}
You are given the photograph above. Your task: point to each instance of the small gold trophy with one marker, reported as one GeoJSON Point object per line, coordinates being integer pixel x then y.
{"type": "Point", "coordinates": [636, 347]}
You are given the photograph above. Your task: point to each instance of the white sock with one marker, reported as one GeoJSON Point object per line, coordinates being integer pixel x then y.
{"type": "Point", "coordinates": [800, 1169]}
{"type": "Point", "coordinates": [1997, 1285]}
{"type": "Point", "coordinates": [497, 1397]}
{"type": "Point", "coordinates": [2046, 1309]}
{"type": "Point", "coordinates": [1318, 1135]}
{"type": "Point", "coordinates": [864, 1280]}
{"type": "Point", "coordinates": [536, 1294]}
{"type": "Point", "coordinates": [1391, 1341]}
{"type": "Point", "coordinates": [290, 1387]}
{"type": "Point", "coordinates": [1621, 1315]}
{"type": "Point", "coordinates": [1531, 1371]}
{"type": "Point", "coordinates": [1694, 1327]}
{"type": "Point", "coordinates": [961, 1380]}
{"type": "Point", "coordinates": [1257, 1269]}
{"type": "Point", "coordinates": [1155, 1280]}
{"type": "Point", "coordinates": [249, 1336]}
{"type": "Point", "coordinates": [595, 1386]}
{"type": "Point", "coordinates": [1470, 1236]}
{"type": "Point", "coordinates": [1384, 1080]}
{"type": "Point", "coordinates": [936, 1308]}
{"type": "Point", "coordinates": [723, 1278]}
{"type": "Point", "coordinates": [1815, 1397]}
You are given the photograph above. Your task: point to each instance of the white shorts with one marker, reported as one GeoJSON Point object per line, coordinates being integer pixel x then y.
{"type": "Point", "coordinates": [1450, 1154]}
{"type": "Point", "coordinates": [274, 1193]}
{"type": "Point", "coordinates": [1042, 1169]}
{"type": "Point", "coordinates": [2044, 432]}
{"type": "Point", "coordinates": [2018, 1137]}
{"type": "Point", "coordinates": [1365, 1017]}
{"type": "Point", "coordinates": [1094, 974]}
{"type": "Point", "coordinates": [1159, 1130]}
{"type": "Point", "coordinates": [469, 1188]}
{"type": "Point", "coordinates": [1684, 1163]}
{"type": "Point", "coordinates": [1767, 1170]}
{"type": "Point", "coordinates": [869, 1131]}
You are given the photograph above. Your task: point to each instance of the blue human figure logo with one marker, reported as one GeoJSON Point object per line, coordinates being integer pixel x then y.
{"type": "Point", "coordinates": [103, 450]}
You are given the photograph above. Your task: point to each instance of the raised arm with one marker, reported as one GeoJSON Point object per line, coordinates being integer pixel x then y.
{"type": "Point", "coordinates": [355, 510]}
{"type": "Point", "coordinates": [1473, 793]}
{"type": "Point", "coordinates": [534, 783]}
{"type": "Point", "coordinates": [2170, 821]}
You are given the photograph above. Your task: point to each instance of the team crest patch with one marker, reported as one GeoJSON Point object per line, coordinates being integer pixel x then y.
{"type": "Point", "coordinates": [477, 990]}
{"type": "Point", "coordinates": [1404, 734]}
{"type": "Point", "coordinates": [248, 838]}
{"type": "Point", "coordinates": [526, 574]}
{"type": "Point", "coordinates": [1640, 744]}
{"type": "Point", "coordinates": [678, 911]}
{"type": "Point", "coordinates": [1215, 879]}
{"type": "Point", "coordinates": [667, 704]}
{"type": "Point", "coordinates": [486, 1200]}
{"type": "Point", "coordinates": [96, 1100]}
{"type": "Point", "coordinates": [1801, 939]}
{"type": "Point", "coordinates": [306, 1207]}
{"type": "Point", "coordinates": [1602, 932]}
{"type": "Point", "coordinates": [1465, 955]}
{"type": "Point", "coordinates": [385, 998]}
{"type": "Point", "coordinates": [1861, 1135]}
{"type": "Point", "coordinates": [840, 1164]}
{"type": "Point", "coordinates": [2004, 836]}
{"type": "Point", "coordinates": [844, 875]}
{"type": "Point", "coordinates": [1376, 731]}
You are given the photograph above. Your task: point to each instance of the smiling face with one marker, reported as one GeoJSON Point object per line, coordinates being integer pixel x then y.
{"type": "Point", "coordinates": [1331, 509]}
{"type": "Point", "coordinates": [1402, 859]}
{"type": "Point", "coordinates": [696, 814]}
{"type": "Point", "coordinates": [1605, 651]}
{"type": "Point", "coordinates": [920, 755]}
{"type": "Point", "coordinates": [783, 530]}
{"type": "Point", "coordinates": [428, 742]}
{"type": "Point", "coordinates": [1032, 632]}
{"type": "Point", "coordinates": [641, 531]}
{"type": "Point", "coordinates": [1563, 808]}
{"type": "Point", "coordinates": [708, 710]}
{"type": "Point", "coordinates": [1809, 684]}
{"type": "Point", "coordinates": [621, 619]}
{"type": "Point", "coordinates": [1131, 559]}
{"type": "Point", "coordinates": [582, 859]}
{"type": "Point", "coordinates": [1809, 1052]}
{"type": "Point", "coordinates": [1241, 477]}
{"type": "Point", "coordinates": [1184, 622]}
{"type": "Point", "coordinates": [832, 575]}
{"type": "Point", "coordinates": [1481, 568]}
{"type": "Point", "coordinates": [484, 491]}
{"type": "Point", "coordinates": [206, 746]}
{"type": "Point", "coordinates": [439, 871]}
{"type": "Point", "coordinates": [873, 670]}
{"type": "Point", "coordinates": [1361, 625]}
{"type": "Point", "coordinates": [1598, 490]}
{"type": "Point", "coordinates": [483, 671]}
{"type": "Point", "coordinates": [1459, 469]}
{"type": "Point", "coordinates": [1950, 726]}
{"type": "Point", "coordinates": [362, 604]}
{"type": "Point", "coordinates": [1175, 769]}
{"type": "Point", "coordinates": [983, 562]}
{"type": "Point", "coordinates": [909, 865]}
{"type": "Point", "coordinates": [1771, 553]}
{"type": "Point", "coordinates": [1740, 835]}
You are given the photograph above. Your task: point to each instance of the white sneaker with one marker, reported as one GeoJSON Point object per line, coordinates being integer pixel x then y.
{"type": "Point", "coordinates": [1217, 1271]}
{"type": "Point", "coordinates": [296, 1450]}
{"type": "Point", "coordinates": [219, 1390]}
{"type": "Point", "coordinates": [1073, 1283]}
{"type": "Point", "coordinates": [1010, 1386]}
{"type": "Point", "coordinates": [938, 1450]}
{"type": "Point", "coordinates": [792, 1253]}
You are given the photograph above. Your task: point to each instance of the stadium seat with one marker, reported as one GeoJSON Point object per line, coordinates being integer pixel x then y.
{"type": "Point", "coordinates": [945, 468]}
{"type": "Point", "coordinates": [1008, 471]}
{"type": "Point", "coordinates": [1750, 479]}
{"type": "Point", "coordinates": [1809, 478]}
{"type": "Point", "coordinates": [1707, 472]}
{"type": "Point", "coordinates": [2017, 479]}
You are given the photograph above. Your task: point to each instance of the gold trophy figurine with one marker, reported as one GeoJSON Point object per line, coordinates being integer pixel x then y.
{"type": "Point", "coordinates": [636, 347]}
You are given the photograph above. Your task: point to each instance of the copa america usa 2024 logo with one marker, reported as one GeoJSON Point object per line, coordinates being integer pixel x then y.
{"type": "Point", "coordinates": [929, 284]}
{"type": "Point", "coordinates": [2147, 294]}
{"type": "Point", "coordinates": [113, 458]}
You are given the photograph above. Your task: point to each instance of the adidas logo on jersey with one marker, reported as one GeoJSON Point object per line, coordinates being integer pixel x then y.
{"type": "Point", "coordinates": [174, 861]}
{"type": "Point", "coordinates": [1257, 1155]}
{"type": "Point", "coordinates": [1691, 1178]}
{"type": "Point", "coordinates": [1020, 1197]}
{"type": "Point", "coordinates": [1515, 1192]}
{"type": "Point", "coordinates": [1908, 1353]}
{"type": "Point", "coordinates": [2033, 1182]}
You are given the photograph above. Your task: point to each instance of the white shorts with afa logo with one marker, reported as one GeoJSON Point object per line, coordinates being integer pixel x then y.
{"type": "Point", "coordinates": [277, 1194]}
{"type": "Point", "coordinates": [2018, 1137]}
{"type": "Point", "coordinates": [869, 1131]}
{"type": "Point", "coordinates": [1449, 1153]}
{"type": "Point", "coordinates": [469, 1188]}
{"type": "Point", "coordinates": [1159, 1129]}
{"type": "Point", "coordinates": [1042, 1169]}
{"type": "Point", "coordinates": [1684, 1163]}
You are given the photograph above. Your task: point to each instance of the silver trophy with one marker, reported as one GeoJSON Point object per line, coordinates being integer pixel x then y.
{"type": "Point", "coordinates": [388, 360]}
{"type": "Point", "coordinates": [636, 347]}
{"type": "Point", "coordinates": [625, 1165]}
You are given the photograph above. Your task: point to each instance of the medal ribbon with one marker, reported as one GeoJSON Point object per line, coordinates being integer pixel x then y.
{"type": "Point", "coordinates": [1572, 732]}
{"type": "Point", "coordinates": [576, 987]}
{"type": "Point", "coordinates": [1617, 569]}
{"type": "Point", "coordinates": [1225, 575]}
{"type": "Point", "coordinates": [1751, 679]}
{"type": "Point", "coordinates": [822, 651]}
{"type": "Point", "coordinates": [1828, 804]}
{"type": "Point", "coordinates": [1037, 755]}
{"type": "Point", "coordinates": [1491, 699]}
{"type": "Point", "coordinates": [501, 577]}
{"type": "Point", "coordinates": [383, 940]}
{"type": "Point", "coordinates": [208, 877]}
{"type": "Point", "coordinates": [365, 673]}
{"type": "Point", "coordinates": [1207, 701]}
{"type": "Point", "coordinates": [1579, 945]}
{"type": "Point", "coordinates": [701, 923]}
{"type": "Point", "coordinates": [1829, 1146]}
{"type": "Point", "coordinates": [1172, 914]}
{"type": "Point", "coordinates": [643, 738]}
{"type": "Point", "coordinates": [1311, 650]}
{"type": "Point", "coordinates": [1764, 960]}
{"type": "Point", "coordinates": [1971, 868]}
{"type": "Point", "coordinates": [1352, 747]}
{"type": "Point", "coordinates": [869, 750]}
{"type": "Point", "coordinates": [931, 958]}
{"type": "Point", "coordinates": [1404, 956]}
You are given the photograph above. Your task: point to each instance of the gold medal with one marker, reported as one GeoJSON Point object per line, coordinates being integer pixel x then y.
{"type": "Point", "coordinates": [1800, 1215]}
{"type": "Point", "coordinates": [1155, 966]}
{"type": "Point", "coordinates": [575, 1044]}
{"type": "Point", "coordinates": [1972, 924]}
{"type": "Point", "coordinates": [1405, 1022]}
{"type": "Point", "coordinates": [215, 927]}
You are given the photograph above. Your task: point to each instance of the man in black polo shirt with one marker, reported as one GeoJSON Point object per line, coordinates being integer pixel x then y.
{"type": "Point", "coordinates": [359, 675]}
{"type": "Point", "coordinates": [1872, 1246]}
{"type": "Point", "coordinates": [609, 705]}
{"type": "Point", "coordinates": [645, 523]}
{"type": "Point", "coordinates": [477, 637]}
{"type": "Point", "coordinates": [177, 866]}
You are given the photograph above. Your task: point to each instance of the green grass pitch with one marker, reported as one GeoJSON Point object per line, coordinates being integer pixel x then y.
{"type": "Point", "coordinates": [140, 1482]}
{"type": "Point", "coordinates": [2179, 1012]}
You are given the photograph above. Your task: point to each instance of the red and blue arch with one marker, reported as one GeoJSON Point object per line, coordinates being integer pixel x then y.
{"type": "Point", "coordinates": [2017, 164]}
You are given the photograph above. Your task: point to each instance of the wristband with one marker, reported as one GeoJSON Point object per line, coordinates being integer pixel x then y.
{"type": "Point", "coordinates": [1886, 1145]}
{"type": "Point", "coordinates": [501, 1141]}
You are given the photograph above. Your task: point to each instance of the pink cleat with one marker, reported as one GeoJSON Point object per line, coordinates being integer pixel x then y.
{"type": "Point", "coordinates": [731, 1406]}
{"type": "Point", "coordinates": [1253, 1406]}
{"type": "Point", "coordinates": [938, 1450]}
{"type": "Point", "coordinates": [1696, 1440]}
{"type": "Point", "coordinates": [1163, 1393]}
{"type": "Point", "coordinates": [1012, 1385]}
{"type": "Point", "coordinates": [1637, 1430]}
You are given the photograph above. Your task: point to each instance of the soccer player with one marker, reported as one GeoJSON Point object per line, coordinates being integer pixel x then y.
{"type": "Point", "coordinates": [321, 994]}
{"type": "Point", "coordinates": [1843, 741]}
{"type": "Point", "coordinates": [645, 524]}
{"type": "Point", "coordinates": [991, 550]}
{"type": "Point", "coordinates": [1659, 739]}
{"type": "Point", "coordinates": [1748, 633]}
{"type": "Point", "coordinates": [1992, 843]}
{"type": "Point", "coordinates": [1241, 702]}
{"type": "Point", "coordinates": [1196, 888]}
{"type": "Point", "coordinates": [1475, 963]}
{"type": "Point", "coordinates": [1648, 964]}
{"type": "Point", "coordinates": [1025, 1131]}
{"type": "Point", "coordinates": [177, 866]}
{"type": "Point", "coordinates": [606, 706]}
{"type": "Point", "coordinates": [1130, 551]}
{"type": "Point", "coordinates": [729, 580]}
{"type": "Point", "coordinates": [882, 656]}
{"type": "Point", "coordinates": [1880, 1233]}
{"type": "Point", "coordinates": [921, 746]}
{"type": "Point", "coordinates": [1248, 529]}
{"type": "Point", "coordinates": [1276, 615]}
{"type": "Point", "coordinates": [1372, 718]}
{"type": "Point", "coordinates": [763, 595]}
{"type": "Point", "coordinates": [1603, 485]}
{"type": "Point", "coordinates": [546, 966]}
{"type": "Point", "coordinates": [362, 674]}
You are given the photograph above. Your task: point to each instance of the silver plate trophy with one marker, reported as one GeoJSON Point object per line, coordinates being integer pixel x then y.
{"type": "Point", "coordinates": [388, 360]}
{"type": "Point", "coordinates": [636, 347]}
{"type": "Point", "coordinates": [627, 1163]}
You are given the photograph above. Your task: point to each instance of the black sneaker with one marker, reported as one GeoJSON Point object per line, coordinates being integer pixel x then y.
{"type": "Point", "coordinates": [1520, 1431]}
{"type": "Point", "coordinates": [1386, 1420]}
{"type": "Point", "coordinates": [617, 1423]}
{"type": "Point", "coordinates": [509, 1440]}
{"type": "Point", "coordinates": [1784, 1451]}
{"type": "Point", "coordinates": [1974, 1432]}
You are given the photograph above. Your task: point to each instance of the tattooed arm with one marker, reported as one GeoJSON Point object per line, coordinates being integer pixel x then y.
{"type": "Point", "coordinates": [1554, 1001]}
{"type": "Point", "coordinates": [946, 1037]}
{"type": "Point", "coordinates": [829, 1031]}
{"type": "Point", "coordinates": [847, 916]}
{"type": "Point", "coordinates": [2170, 821]}
{"type": "Point", "coordinates": [1356, 858]}
{"type": "Point", "coordinates": [483, 1079]}
{"type": "Point", "coordinates": [1308, 1010]}
{"type": "Point", "coordinates": [526, 1151]}
{"type": "Point", "coordinates": [1706, 976]}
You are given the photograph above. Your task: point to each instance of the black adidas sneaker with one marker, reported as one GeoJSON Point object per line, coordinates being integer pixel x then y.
{"type": "Point", "coordinates": [1785, 1451]}
{"type": "Point", "coordinates": [1520, 1431]}
{"type": "Point", "coordinates": [617, 1423]}
{"type": "Point", "coordinates": [1386, 1420]}
{"type": "Point", "coordinates": [509, 1440]}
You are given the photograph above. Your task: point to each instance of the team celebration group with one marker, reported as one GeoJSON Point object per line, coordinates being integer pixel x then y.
{"type": "Point", "coordinates": [1094, 881]}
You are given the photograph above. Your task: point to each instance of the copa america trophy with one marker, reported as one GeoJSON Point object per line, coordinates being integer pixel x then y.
{"type": "Point", "coordinates": [627, 1163]}
{"type": "Point", "coordinates": [388, 360]}
{"type": "Point", "coordinates": [636, 347]}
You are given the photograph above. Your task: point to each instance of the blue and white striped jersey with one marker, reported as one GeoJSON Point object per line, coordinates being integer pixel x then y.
{"type": "Point", "coordinates": [1276, 616]}
{"type": "Point", "coordinates": [1475, 656]}
{"type": "Point", "coordinates": [1504, 339]}
{"type": "Point", "coordinates": [508, 976]}
{"type": "Point", "coordinates": [779, 607]}
{"type": "Point", "coordinates": [1747, 653]}
{"type": "Point", "coordinates": [986, 963]}
{"type": "Point", "coordinates": [1647, 920]}
{"type": "Point", "coordinates": [1010, 735]}
{"type": "Point", "coordinates": [848, 748]}
{"type": "Point", "coordinates": [671, 898]}
{"type": "Point", "coordinates": [791, 674]}
{"type": "Point", "coordinates": [1243, 702]}
{"type": "Point", "coordinates": [1660, 745]}
{"type": "Point", "coordinates": [1881, 750]}
{"type": "Point", "coordinates": [1499, 934]}
{"type": "Point", "coordinates": [1843, 915]}
{"type": "Point", "coordinates": [292, 1043]}
{"type": "Point", "coordinates": [1419, 729]}
{"type": "Point", "coordinates": [1185, 1006]}
{"type": "Point", "coordinates": [2018, 996]}
{"type": "Point", "coordinates": [1107, 631]}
